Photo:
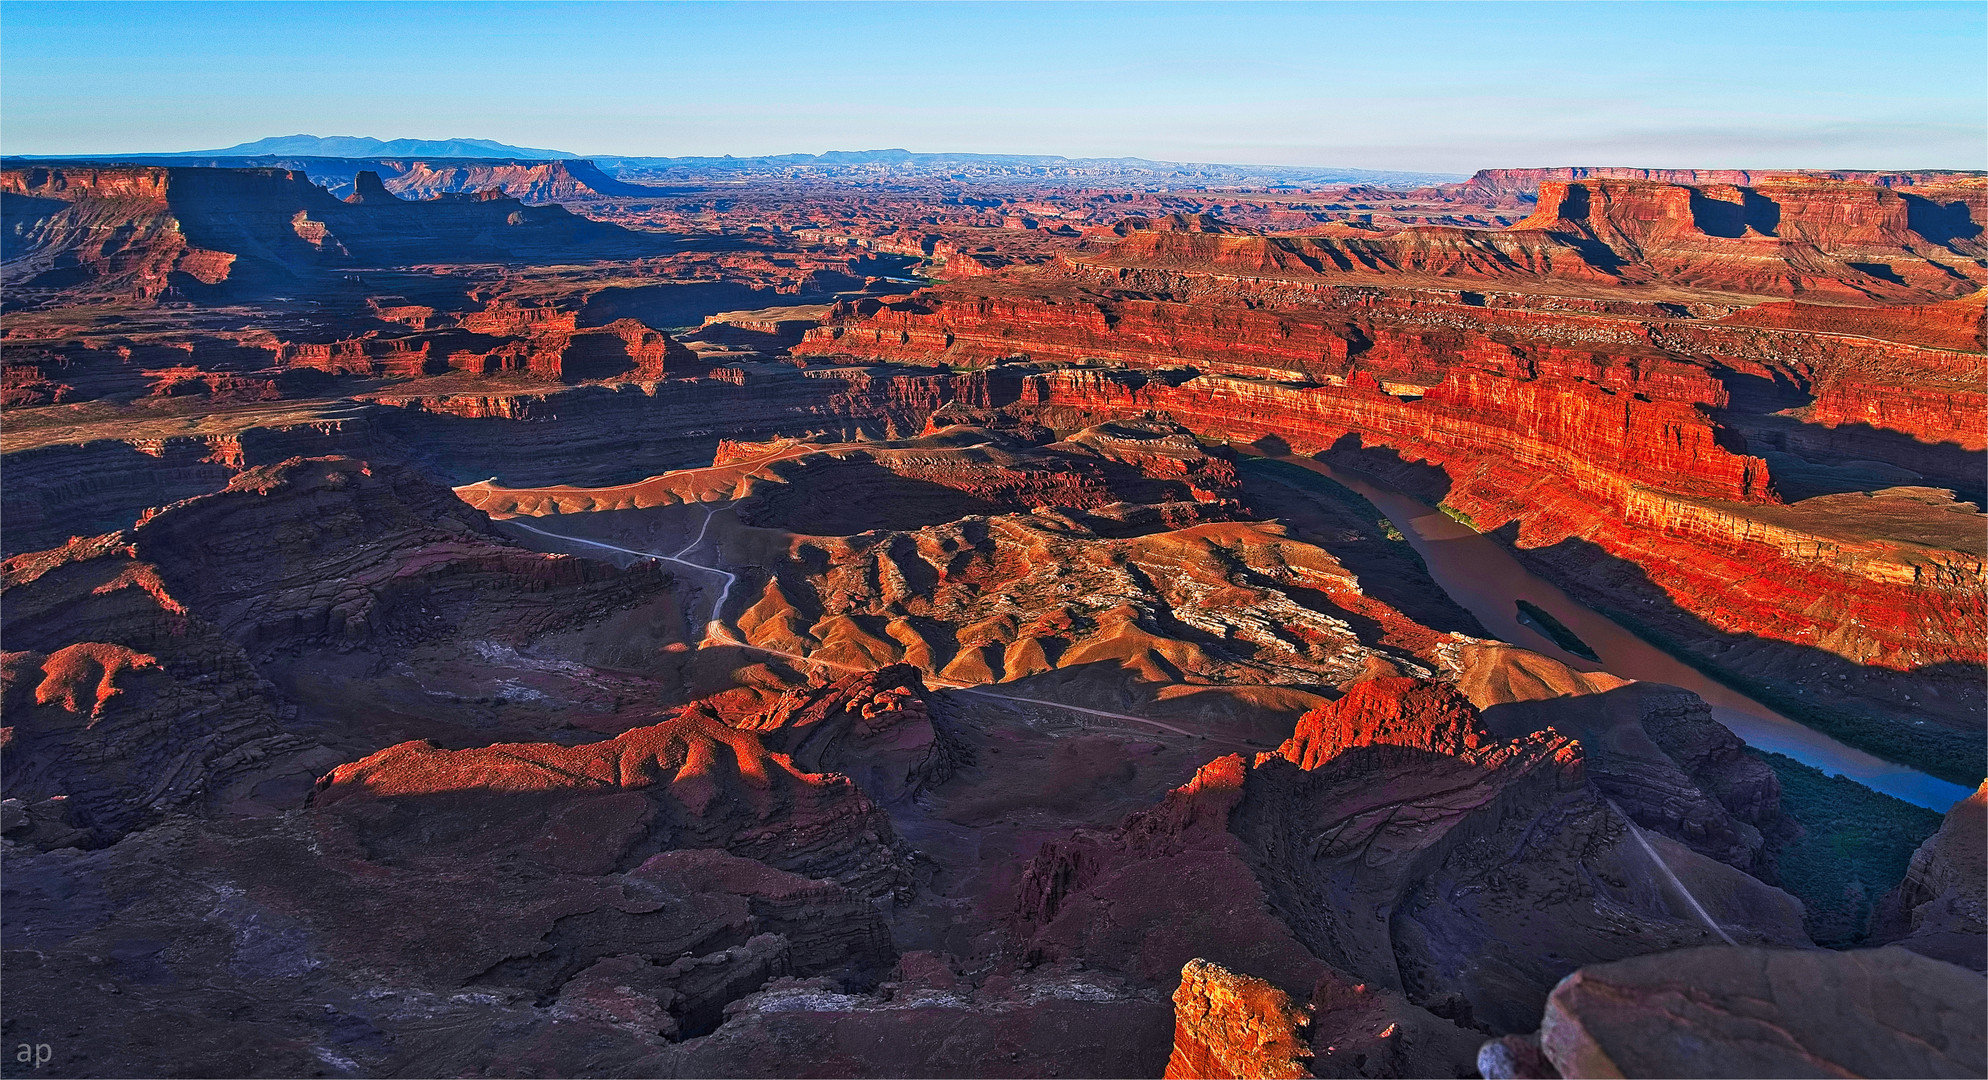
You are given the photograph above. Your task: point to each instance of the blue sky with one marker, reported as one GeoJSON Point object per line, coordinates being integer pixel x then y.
{"type": "Point", "coordinates": [1429, 86]}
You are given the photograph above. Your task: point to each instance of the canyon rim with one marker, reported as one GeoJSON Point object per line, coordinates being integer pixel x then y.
{"type": "Point", "coordinates": [478, 609]}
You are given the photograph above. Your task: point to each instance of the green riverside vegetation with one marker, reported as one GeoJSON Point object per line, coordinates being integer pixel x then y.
{"type": "Point", "coordinates": [1857, 846]}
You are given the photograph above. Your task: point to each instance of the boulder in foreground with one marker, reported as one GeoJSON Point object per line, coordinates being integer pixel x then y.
{"type": "Point", "coordinates": [1719, 1011]}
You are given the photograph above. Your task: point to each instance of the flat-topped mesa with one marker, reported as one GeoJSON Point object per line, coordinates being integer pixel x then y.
{"type": "Point", "coordinates": [1514, 184]}
{"type": "Point", "coordinates": [71, 182]}
{"type": "Point", "coordinates": [1187, 223]}
{"type": "Point", "coordinates": [369, 354]}
{"type": "Point", "coordinates": [572, 180]}
{"type": "Point", "coordinates": [192, 229]}
{"type": "Point", "coordinates": [1796, 236]}
{"type": "Point", "coordinates": [1483, 255]}
{"type": "Point", "coordinates": [1411, 337]}
{"type": "Point", "coordinates": [506, 319]}
{"type": "Point", "coordinates": [1631, 214]}
{"type": "Point", "coordinates": [547, 341]}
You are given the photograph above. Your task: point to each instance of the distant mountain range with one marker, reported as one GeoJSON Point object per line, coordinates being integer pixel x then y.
{"type": "Point", "coordinates": [837, 164]}
{"type": "Point", "coordinates": [356, 146]}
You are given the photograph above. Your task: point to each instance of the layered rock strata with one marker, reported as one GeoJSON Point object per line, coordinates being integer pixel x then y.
{"type": "Point", "coordinates": [1394, 840]}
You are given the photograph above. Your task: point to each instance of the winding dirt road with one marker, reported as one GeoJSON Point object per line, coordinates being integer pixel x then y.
{"type": "Point", "coordinates": [717, 632]}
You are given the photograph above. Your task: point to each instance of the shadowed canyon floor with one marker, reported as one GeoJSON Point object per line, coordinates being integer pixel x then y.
{"type": "Point", "coordinates": [500, 618]}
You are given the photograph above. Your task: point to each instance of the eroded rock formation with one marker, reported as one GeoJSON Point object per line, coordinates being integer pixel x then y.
{"type": "Point", "coordinates": [964, 677]}
{"type": "Point", "coordinates": [1940, 910]}
{"type": "Point", "coordinates": [1455, 849]}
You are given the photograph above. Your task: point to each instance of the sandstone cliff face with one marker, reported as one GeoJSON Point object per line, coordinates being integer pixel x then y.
{"type": "Point", "coordinates": [1939, 910]}
{"type": "Point", "coordinates": [547, 342]}
{"type": "Point", "coordinates": [1584, 410]}
{"type": "Point", "coordinates": [1591, 484]}
{"type": "Point", "coordinates": [1607, 444]}
{"type": "Point", "coordinates": [1143, 333]}
{"type": "Point", "coordinates": [1792, 237]}
{"type": "Point", "coordinates": [527, 181]}
{"type": "Point", "coordinates": [1796, 236]}
{"type": "Point", "coordinates": [1230, 1026]}
{"type": "Point", "coordinates": [1427, 252]}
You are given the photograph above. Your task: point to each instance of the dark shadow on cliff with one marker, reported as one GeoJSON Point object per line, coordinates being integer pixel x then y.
{"type": "Point", "coordinates": [1427, 482]}
{"type": "Point", "coordinates": [1938, 733]}
{"type": "Point", "coordinates": [686, 303]}
{"type": "Point", "coordinates": [1808, 459]}
{"type": "Point", "coordinates": [1855, 848]}
{"type": "Point", "coordinates": [845, 497]}
{"type": "Point", "coordinates": [1940, 223]}
{"type": "Point", "coordinates": [1852, 447]}
{"type": "Point", "coordinates": [57, 492]}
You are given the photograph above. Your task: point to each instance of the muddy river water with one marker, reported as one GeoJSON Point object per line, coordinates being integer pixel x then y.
{"type": "Point", "coordinates": [1488, 581]}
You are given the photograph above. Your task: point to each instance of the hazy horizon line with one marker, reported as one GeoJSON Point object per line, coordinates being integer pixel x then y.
{"type": "Point", "coordinates": [524, 153]}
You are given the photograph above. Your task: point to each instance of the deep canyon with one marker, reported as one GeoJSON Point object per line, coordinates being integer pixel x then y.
{"type": "Point", "coordinates": [501, 617]}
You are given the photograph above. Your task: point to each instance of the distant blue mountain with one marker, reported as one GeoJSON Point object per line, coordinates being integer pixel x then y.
{"type": "Point", "coordinates": [313, 152]}
{"type": "Point", "coordinates": [355, 146]}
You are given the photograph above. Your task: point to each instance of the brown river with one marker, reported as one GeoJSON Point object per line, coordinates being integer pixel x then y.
{"type": "Point", "coordinates": [1488, 581]}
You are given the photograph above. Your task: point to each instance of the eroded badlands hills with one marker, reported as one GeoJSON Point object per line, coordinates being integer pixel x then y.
{"type": "Point", "coordinates": [491, 617]}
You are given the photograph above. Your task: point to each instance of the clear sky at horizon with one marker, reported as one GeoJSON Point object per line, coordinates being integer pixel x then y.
{"type": "Point", "coordinates": [1426, 86]}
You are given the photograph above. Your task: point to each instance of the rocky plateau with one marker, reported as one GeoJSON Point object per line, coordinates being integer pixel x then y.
{"type": "Point", "coordinates": [504, 617]}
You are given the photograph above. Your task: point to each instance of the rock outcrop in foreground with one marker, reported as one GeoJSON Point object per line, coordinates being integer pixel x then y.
{"type": "Point", "coordinates": [1722, 1011]}
{"type": "Point", "coordinates": [1391, 854]}
{"type": "Point", "coordinates": [1228, 1026]}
